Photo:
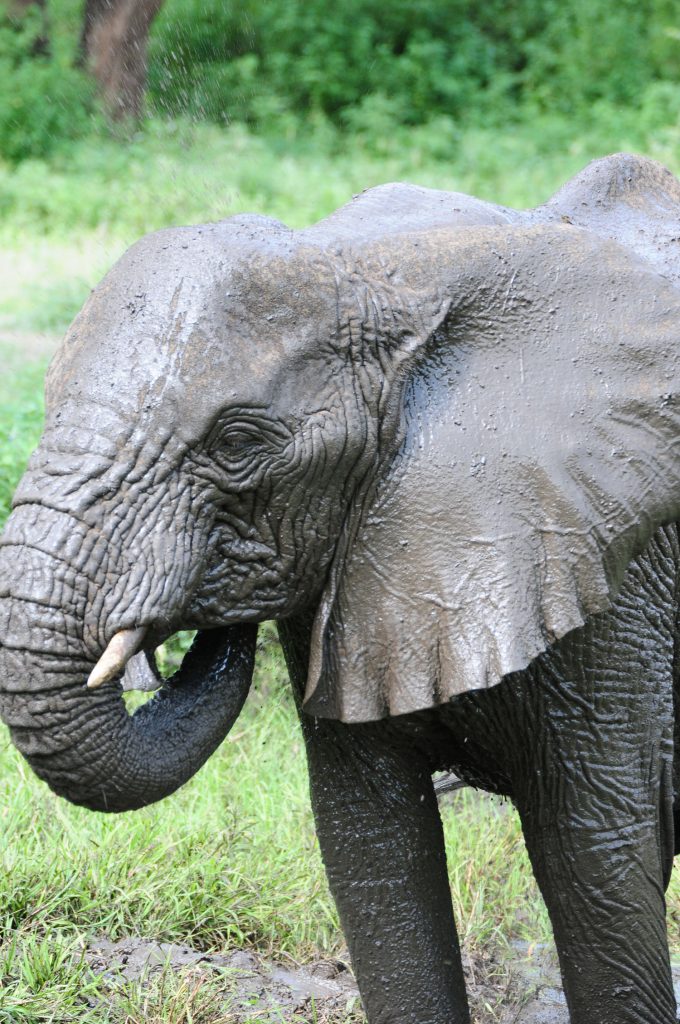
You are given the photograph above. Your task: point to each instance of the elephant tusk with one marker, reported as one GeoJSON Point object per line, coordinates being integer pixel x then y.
{"type": "Point", "coordinates": [116, 656]}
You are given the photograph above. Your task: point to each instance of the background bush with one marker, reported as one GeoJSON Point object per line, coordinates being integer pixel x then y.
{"type": "Point", "coordinates": [286, 66]}
{"type": "Point", "coordinates": [44, 99]}
{"type": "Point", "coordinates": [259, 60]}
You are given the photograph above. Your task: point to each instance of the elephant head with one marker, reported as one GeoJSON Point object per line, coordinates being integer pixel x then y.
{"type": "Point", "coordinates": [443, 426]}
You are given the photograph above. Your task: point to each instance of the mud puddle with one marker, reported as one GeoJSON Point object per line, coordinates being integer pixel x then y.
{"type": "Point", "coordinates": [251, 987]}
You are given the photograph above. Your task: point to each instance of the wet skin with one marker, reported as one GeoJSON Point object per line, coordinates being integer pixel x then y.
{"type": "Point", "coordinates": [436, 440]}
{"type": "Point", "coordinates": [582, 742]}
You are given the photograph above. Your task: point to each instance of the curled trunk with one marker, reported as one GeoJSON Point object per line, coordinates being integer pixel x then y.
{"type": "Point", "coordinates": [85, 744]}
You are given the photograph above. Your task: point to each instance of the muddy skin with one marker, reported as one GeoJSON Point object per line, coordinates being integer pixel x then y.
{"type": "Point", "coordinates": [582, 742]}
{"type": "Point", "coordinates": [436, 440]}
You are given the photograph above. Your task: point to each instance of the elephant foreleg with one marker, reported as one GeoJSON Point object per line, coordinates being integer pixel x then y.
{"type": "Point", "coordinates": [595, 799]}
{"type": "Point", "coordinates": [383, 848]}
{"type": "Point", "coordinates": [608, 922]}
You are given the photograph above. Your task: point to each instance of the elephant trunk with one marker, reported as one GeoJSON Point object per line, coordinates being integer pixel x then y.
{"type": "Point", "coordinates": [83, 742]}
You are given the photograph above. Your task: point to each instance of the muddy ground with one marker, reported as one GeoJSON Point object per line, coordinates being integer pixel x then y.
{"type": "Point", "coordinates": [522, 989]}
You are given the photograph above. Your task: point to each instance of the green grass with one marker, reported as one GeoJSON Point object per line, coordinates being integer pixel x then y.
{"type": "Point", "coordinates": [231, 859]}
{"type": "Point", "coordinates": [21, 410]}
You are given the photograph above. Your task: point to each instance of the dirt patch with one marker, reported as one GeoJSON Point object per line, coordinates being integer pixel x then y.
{"type": "Point", "coordinates": [252, 988]}
{"type": "Point", "coordinates": [522, 989]}
{"type": "Point", "coordinates": [537, 974]}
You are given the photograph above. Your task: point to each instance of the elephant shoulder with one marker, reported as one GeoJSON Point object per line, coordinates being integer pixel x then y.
{"type": "Point", "coordinates": [626, 198]}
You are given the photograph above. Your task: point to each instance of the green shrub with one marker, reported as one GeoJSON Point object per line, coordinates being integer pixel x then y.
{"type": "Point", "coordinates": [43, 99]}
{"type": "Point", "coordinates": [587, 52]}
{"type": "Point", "coordinates": [260, 60]}
{"type": "Point", "coordinates": [294, 67]}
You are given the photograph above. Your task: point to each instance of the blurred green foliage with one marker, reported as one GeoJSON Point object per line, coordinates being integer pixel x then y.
{"type": "Point", "coordinates": [265, 61]}
{"type": "Point", "coordinates": [21, 414]}
{"type": "Point", "coordinates": [289, 66]}
{"type": "Point", "coordinates": [45, 100]}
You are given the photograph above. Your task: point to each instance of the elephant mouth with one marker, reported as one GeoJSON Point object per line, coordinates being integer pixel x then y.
{"type": "Point", "coordinates": [132, 658]}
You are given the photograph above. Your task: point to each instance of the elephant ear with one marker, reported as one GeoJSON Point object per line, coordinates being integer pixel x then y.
{"type": "Point", "coordinates": [538, 454]}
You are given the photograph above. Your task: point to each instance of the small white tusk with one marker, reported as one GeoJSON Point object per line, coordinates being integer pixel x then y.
{"type": "Point", "coordinates": [116, 656]}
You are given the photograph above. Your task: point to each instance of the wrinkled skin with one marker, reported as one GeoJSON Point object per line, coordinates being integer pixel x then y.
{"type": "Point", "coordinates": [434, 439]}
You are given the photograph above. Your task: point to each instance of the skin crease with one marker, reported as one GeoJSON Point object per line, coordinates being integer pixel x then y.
{"type": "Point", "coordinates": [433, 438]}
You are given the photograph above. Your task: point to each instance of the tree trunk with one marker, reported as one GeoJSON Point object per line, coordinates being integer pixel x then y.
{"type": "Point", "coordinates": [113, 46]}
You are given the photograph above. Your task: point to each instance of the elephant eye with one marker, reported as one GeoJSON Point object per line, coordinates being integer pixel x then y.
{"type": "Point", "coordinates": [234, 453]}
{"type": "Point", "coordinates": [237, 442]}
{"type": "Point", "coordinates": [235, 445]}
{"type": "Point", "coordinates": [241, 449]}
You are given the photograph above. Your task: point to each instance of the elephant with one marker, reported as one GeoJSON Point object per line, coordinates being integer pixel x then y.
{"type": "Point", "coordinates": [435, 440]}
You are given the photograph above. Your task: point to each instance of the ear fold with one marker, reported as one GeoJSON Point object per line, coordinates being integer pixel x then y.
{"type": "Point", "coordinates": [538, 454]}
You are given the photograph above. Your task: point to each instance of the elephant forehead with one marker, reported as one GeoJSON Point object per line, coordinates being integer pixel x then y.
{"type": "Point", "coordinates": [183, 325]}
